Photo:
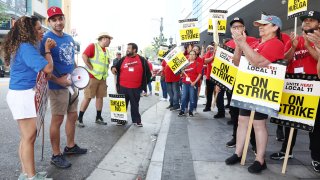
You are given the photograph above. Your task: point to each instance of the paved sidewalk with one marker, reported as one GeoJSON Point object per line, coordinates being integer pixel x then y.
{"type": "Point", "coordinates": [195, 149]}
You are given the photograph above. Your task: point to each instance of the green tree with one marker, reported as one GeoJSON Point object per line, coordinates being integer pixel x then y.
{"type": "Point", "coordinates": [3, 15]}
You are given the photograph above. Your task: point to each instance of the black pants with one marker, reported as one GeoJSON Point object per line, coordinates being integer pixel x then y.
{"type": "Point", "coordinates": [234, 113]}
{"type": "Point", "coordinates": [220, 101]}
{"type": "Point", "coordinates": [286, 138]}
{"type": "Point", "coordinates": [229, 95]}
{"type": "Point", "coordinates": [132, 95]}
{"type": "Point", "coordinates": [210, 89]}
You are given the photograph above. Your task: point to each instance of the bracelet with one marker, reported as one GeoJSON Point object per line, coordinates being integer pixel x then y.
{"type": "Point", "coordinates": [47, 52]}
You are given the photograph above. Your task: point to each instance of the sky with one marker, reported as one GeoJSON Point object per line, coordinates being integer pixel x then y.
{"type": "Point", "coordinates": [126, 20]}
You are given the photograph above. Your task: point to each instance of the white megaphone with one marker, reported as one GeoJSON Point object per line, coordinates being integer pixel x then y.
{"type": "Point", "coordinates": [80, 79]}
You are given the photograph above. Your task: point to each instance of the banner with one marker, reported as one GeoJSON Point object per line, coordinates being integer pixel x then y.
{"type": "Point", "coordinates": [217, 21]}
{"type": "Point", "coordinates": [259, 89]}
{"type": "Point", "coordinates": [297, 8]}
{"type": "Point", "coordinates": [162, 51]}
{"type": "Point", "coordinates": [299, 102]}
{"type": "Point", "coordinates": [118, 108]}
{"type": "Point", "coordinates": [223, 70]}
{"type": "Point", "coordinates": [157, 86]}
{"type": "Point", "coordinates": [189, 31]}
{"type": "Point", "coordinates": [41, 99]}
{"type": "Point", "coordinates": [176, 60]}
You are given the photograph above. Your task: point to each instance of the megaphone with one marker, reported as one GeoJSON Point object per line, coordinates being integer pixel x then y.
{"type": "Point", "coordinates": [80, 79]}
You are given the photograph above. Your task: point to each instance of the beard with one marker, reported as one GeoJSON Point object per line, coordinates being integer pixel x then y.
{"type": "Point", "coordinates": [129, 53]}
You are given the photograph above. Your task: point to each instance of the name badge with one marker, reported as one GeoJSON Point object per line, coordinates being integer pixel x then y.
{"type": "Point", "coordinates": [131, 69]}
{"type": "Point", "coordinates": [187, 79]}
{"type": "Point", "coordinates": [298, 70]}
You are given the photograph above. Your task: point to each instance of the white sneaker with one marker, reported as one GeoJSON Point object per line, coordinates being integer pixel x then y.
{"type": "Point", "coordinates": [163, 99]}
{"type": "Point", "coordinates": [195, 111]}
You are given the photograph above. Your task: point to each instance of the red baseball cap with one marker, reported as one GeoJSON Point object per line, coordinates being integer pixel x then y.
{"type": "Point", "coordinates": [53, 11]}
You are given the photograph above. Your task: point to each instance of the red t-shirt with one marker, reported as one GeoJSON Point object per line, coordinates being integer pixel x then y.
{"type": "Point", "coordinates": [272, 49]}
{"type": "Point", "coordinates": [285, 38]}
{"type": "Point", "coordinates": [150, 66]}
{"type": "Point", "coordinates": [131, 72]}
{"type": "Point", "coordinates": [89, 51]}
{"type": "Point", "coordinates": [209, 65]}
{"type": "Point", "coordinates": [250, 40]}
{"type": "Point", "coordinates": [192, 70]}
{"type": "Point", "coordinates": [301, 58]}
{"type": "Point", "coordinates": [169, 75]}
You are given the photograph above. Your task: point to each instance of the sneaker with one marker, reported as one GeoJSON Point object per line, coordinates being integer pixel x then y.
{"type": "Point", "coordinates": [80, 124]}
{"type": "Point", "coordinates": [99, 120]}
{"type": "Point", "coordinates": [279, 156]}
{"type": "Point", "coordinates": [280, 135]}
{"type": "Point", "coordinates": [227, 106]}
{"type": "Point", "coordinates": [169, 107]}
{"type": "Point", "coordinates": [316, 166]}
{"type": "Point", "coordinates": [163, 99]}
{"type": "Point", "coordinates": [206, 109]}
{"type": "Point", "coordinates": [219, 115]}
{"type": "Point", "coordinates": [256, 167]}
{"type": "Point", "coordinates": [22, 177]}
{"type": "Point", "coordinates": [74, 150]}
{"type": "Point", "coordinates": [39, 176]}
{"type": "Point", "coordinates": [174, 108]}
{"type": "Point", "coordinates": [190, 113]}
{"type": "Point", "coordinates": [233, 159]}
{"type": "Point", "coordinates": [60, 161]}
{"type": "Point", "coordinates": [119, 123]}
{"type": "Point", "coordinates": [139, 124]}
{"type": "Point", "coordinates": [181, 113]}
{"type": "Point", "coordinates": [231, 143]}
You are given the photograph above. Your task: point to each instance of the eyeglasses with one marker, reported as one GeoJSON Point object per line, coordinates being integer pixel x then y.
{"type": "Point", "coordinates": [236, 27]}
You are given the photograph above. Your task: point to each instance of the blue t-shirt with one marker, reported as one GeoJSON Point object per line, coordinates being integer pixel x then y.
{"type": "Point", "coordinates": [25, 66]}
{"type": "Point", "coordinates": [62, 55]}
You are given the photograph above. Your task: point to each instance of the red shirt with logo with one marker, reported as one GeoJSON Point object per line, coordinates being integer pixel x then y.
{"type": "Point", "coordinates": [131, 72]}
{"type": "Point", "coordinates": [249, 39]}
{"type": "Point", "coordinates": [209, 65]}
{"type": "Point", "coordinates": [302, 58]}
{"type": "Point", "coordinates": [89, 51]}
{"type": "Point", "coordinates": [169, 75]}
{"type": "Point", "coordinates": [272, 49]}
{"type": "Point", "coordinates": [192, 71]}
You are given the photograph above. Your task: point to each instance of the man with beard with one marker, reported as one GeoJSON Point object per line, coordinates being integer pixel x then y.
{"type": "Point", "coordinates": [133, 75]}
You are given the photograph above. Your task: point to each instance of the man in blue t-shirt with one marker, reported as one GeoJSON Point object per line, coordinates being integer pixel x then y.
{"type": "Point", "coordinates": [61, 102]}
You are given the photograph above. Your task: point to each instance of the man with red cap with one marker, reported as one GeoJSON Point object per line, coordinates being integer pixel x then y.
{"type": "Point", "coordinates": [61, 101]}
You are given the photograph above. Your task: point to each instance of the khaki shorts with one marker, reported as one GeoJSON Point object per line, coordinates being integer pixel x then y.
{"type": "Point", "coordinates": [60, 103]}
{"type": "Point", "coordinates": [96, 88]}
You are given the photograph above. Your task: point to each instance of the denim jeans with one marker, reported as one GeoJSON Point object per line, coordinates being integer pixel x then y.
{"type": "Point", "coordinates": [174, 93]}
{"type": "Point", "coordinates": [188, 95]}
{"type": "Point", "coordinates": [164, 89]}
{"type": "Point", "coordinates": [150, 86]}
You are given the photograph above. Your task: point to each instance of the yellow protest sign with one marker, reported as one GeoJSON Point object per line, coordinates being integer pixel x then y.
{"type": "Point", "coordinates": [162, 51]}
{"type": "Point", "coordinates": [259, 89]}
{"type": "Point", "coordinates": [223, 70]}
{"type": "Point", "coordinates": [217, 21]}
{"type": "Point", "coordinates": [118, 107]}
{"type": "Point", "coordinates": [189, 31]}
{"type": "Point", "coordinates": [157, 86]}
{"type": "Point", "coordinates": [299, 102]}
{"type": "Point", "coordinates": [296, 8]}
{"type": "Point", "coordinates": [176, 60]}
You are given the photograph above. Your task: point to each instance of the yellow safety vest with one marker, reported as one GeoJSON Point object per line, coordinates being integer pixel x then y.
{"type": "Point", "coordinates": [100, 63]}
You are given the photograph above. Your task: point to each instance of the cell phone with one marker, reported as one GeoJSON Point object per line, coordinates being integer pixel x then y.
{"type": "Point", "coordinates": [309, 31]}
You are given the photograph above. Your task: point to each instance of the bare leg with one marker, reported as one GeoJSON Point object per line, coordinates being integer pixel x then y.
{"type": "Point", "coordinates": [55, 125]}
{"type": "Point", "coordinates": [85, 103]}
{"type": "Point", "coordinates": [20, 156]}
{"type": "Point", "coordinates": [241, 134]}
{"type": "Point", "coordinates": [99, 104]}
{"type": "Point", "coordinates": [26, 149]}
{"type": "Point", "coordinates": [261, 133]}
{"type": "Point", "coordinates": [71, 128]}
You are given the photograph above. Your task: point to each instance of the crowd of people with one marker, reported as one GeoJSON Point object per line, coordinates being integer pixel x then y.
{"type": "Point", "coordinates": [53, 53]}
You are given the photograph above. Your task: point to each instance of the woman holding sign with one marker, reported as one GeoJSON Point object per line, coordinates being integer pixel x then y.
{"type": "Point", "coordinates": [21, 52]}
{"type": "Point", "coordinates": [191, 76]}
{"type": "Point", "coordinates": [269, 49]}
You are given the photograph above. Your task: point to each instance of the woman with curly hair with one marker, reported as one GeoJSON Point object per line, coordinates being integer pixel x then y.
{"type": "Point", "coordinates": [22, 54]}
